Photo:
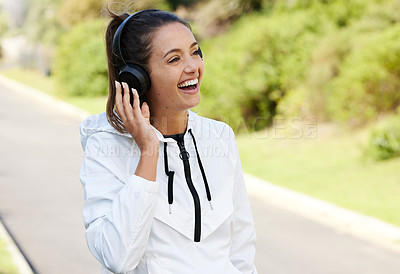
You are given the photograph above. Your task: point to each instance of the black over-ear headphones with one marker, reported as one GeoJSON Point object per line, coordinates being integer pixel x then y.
{"type": "Point", "coordinates": [132, 74]}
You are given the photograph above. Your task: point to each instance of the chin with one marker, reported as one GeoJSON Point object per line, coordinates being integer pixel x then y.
{"type": "Point", "coordinates": [194, 102]}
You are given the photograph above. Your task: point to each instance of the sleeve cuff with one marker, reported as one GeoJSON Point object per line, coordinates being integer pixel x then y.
{"type": "Point", "coordinates": [141, 184]}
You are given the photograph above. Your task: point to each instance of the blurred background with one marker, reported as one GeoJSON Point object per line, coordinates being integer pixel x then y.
{"type": "Point", "coordinates": [311, 87]}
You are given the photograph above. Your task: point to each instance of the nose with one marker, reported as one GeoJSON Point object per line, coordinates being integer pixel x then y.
{"type": "Point", "coordinates": [192, 65]}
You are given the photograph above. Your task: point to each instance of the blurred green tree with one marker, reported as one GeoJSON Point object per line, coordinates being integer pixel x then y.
{"type": "Point", "coordinates": [213, 17]}
{"type": "Point", "coordinates": [336, 59]}
{"type": "Point", "coordinates": [256, 63]}
{"type": "Point", "coordinates": [352, 73]}
{"type": "Point", "coordinates": [174, 4]}
{"type": "Point", "coordinates": [384, 140]}
{"type": "Point", "coordinates": [368, 80]}
{"type": "Point", "coordinates": [3, 22]}
{"type": "Point", "coordinates": [72, 12]}
{"type": "Point", "coordinates": [42, 24]}
{"type": "Point", "coordinates": [80, 63]}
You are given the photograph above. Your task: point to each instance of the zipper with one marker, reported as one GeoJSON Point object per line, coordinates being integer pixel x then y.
{"type": "Point", "coordinates": [184, 155]}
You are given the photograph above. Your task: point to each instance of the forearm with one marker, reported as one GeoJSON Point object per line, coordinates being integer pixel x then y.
{"type": "Point", "coordinates": [147, 166]}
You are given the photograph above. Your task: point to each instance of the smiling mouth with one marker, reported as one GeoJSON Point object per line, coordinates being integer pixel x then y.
{"type": "Point", "coordinates": [189, 85]}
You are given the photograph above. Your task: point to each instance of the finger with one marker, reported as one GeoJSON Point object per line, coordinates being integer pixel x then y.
{"type": "Point", "coordinates": [118, 101]}
{"type": "Point", "coordinates": [126, 102]}
{"type": "Point", "coordinates": [146, 111]}
{"type": "Point", "coordinates": [136, 101]}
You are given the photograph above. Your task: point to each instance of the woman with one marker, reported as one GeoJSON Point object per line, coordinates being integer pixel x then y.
{"type": "Point", "coordinates": [164, 190]}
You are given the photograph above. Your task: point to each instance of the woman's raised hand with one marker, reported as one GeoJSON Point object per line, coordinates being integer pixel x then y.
{"type": "Point", "coordinates": [136, 120]}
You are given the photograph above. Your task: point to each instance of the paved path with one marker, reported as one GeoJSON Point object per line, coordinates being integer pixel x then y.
{"type": "Point", "coordinates": [41, 200]}
{"type": "Point", "coordinates": [291, 244]}
{"type": "Point", "coordinates": [40, 193]}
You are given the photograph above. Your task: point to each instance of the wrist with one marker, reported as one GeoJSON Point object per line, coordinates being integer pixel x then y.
{"type": "Point", "coordinates": [149, 151]}
{"type": "Point", "coordinates": [147, 166]}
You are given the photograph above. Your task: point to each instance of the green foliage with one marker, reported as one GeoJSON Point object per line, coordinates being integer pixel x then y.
{"type": "Point", "coordinates": [368, 82]}
{"type": "Point", "coordinates": [384, 143]}
{"type": "Point", "coordinates": [335, 59]}
{"type": "Point", "coordinates": [133, 6]}
{"type": "Point", "coordinates": [304, 58]}
{"type": "Point", "coordinates": [353, 72]}
{"type": "Point", "coordinates": [42, 25]}
{"type": "Point", "coordinates": [343, 12]}
{"type": "Point", "coordinates": [80, 64]}
{"type": "Point", "coordinates": [176, 3]}
{"type": "Point", "coordinates": [213, 17]}
{"type": "Point", "coordinates": [3, 22]}
{"type": "Point", "coordinates": [310, 97]}
{"type": "Point", "coordinates": [72, 12]}
{"type": "Point", "coordinates": [251, 68]}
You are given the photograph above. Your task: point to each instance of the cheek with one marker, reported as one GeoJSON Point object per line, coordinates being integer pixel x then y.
{"type": "Point", "coordinates": [166, 80]}
{"type": "Point", "coordinates": [201, 69]}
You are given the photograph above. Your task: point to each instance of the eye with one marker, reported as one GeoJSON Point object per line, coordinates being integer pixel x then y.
{"type": "Point", "coordinates": [196, 52]}
{"type": "Point", "coordinates": [174, 60]}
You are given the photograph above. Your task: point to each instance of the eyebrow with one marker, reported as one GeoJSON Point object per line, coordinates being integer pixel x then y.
{"type": "Point", "coordinates": [178, 50]}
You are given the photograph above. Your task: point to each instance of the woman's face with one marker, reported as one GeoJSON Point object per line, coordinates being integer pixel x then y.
{"type": "Point", "coordinates": [176, 70]}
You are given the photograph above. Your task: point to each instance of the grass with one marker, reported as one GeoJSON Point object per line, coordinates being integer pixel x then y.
{"type": "Point", "coordinates": [7, 265]}
{"type": "Point", "coordinates": [321, 160]}
{"type": "Point", "coordinates": [328, 165]}
{"type": "Point", "coordinates": [93, 105]}
{"type": "Point", "coordinates": [49, 85]}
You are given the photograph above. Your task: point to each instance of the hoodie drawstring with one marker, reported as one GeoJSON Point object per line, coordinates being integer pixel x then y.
{"type": "Point", "coordinates": [171, 174]}
{"type": "Point", "coordinates": [202, 171]}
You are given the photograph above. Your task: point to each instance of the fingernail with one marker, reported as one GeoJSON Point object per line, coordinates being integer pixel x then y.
{"type": "Point", "coordinates": [116, 83]}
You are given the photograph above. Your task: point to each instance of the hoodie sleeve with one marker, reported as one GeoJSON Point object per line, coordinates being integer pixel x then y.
{"type": "Point", "coordinates": [243, 246]}
{"type": "Point", "coordinates": [118, 212]}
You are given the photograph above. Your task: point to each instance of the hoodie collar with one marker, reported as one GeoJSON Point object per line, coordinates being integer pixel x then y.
{"type": "Point", "coordinates": [99, 123]}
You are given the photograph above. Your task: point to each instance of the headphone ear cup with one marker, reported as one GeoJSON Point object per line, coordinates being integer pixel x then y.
{"type": "Point", "coordinates": [200, 53]}
{"type": "Point", "coordinates": [136, 77]}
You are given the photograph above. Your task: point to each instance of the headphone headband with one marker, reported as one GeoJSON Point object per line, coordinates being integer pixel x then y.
{"type": "Point", "coordinates": [116, 49]}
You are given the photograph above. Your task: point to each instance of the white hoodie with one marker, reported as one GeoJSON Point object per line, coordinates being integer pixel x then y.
{"type": "Point", "coordinates": [138, 226]}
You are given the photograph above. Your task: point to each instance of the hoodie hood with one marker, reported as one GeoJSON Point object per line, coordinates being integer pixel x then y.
{"type": "Point", "coordinates": [96, 123]}
{"type": "Point", "coordinates": [99, 123]}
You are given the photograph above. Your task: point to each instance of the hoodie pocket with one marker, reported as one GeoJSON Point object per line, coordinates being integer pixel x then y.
{"type": "Point", "coordinates": [219, 218]}
{"type": "Point", "coordinates": [182, 218]}
{"type": "Point", "coordinates": [158, 266]}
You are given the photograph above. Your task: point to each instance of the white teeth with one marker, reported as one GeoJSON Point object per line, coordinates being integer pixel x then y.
{"type": "Point", "coordinates": [188, 83]}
